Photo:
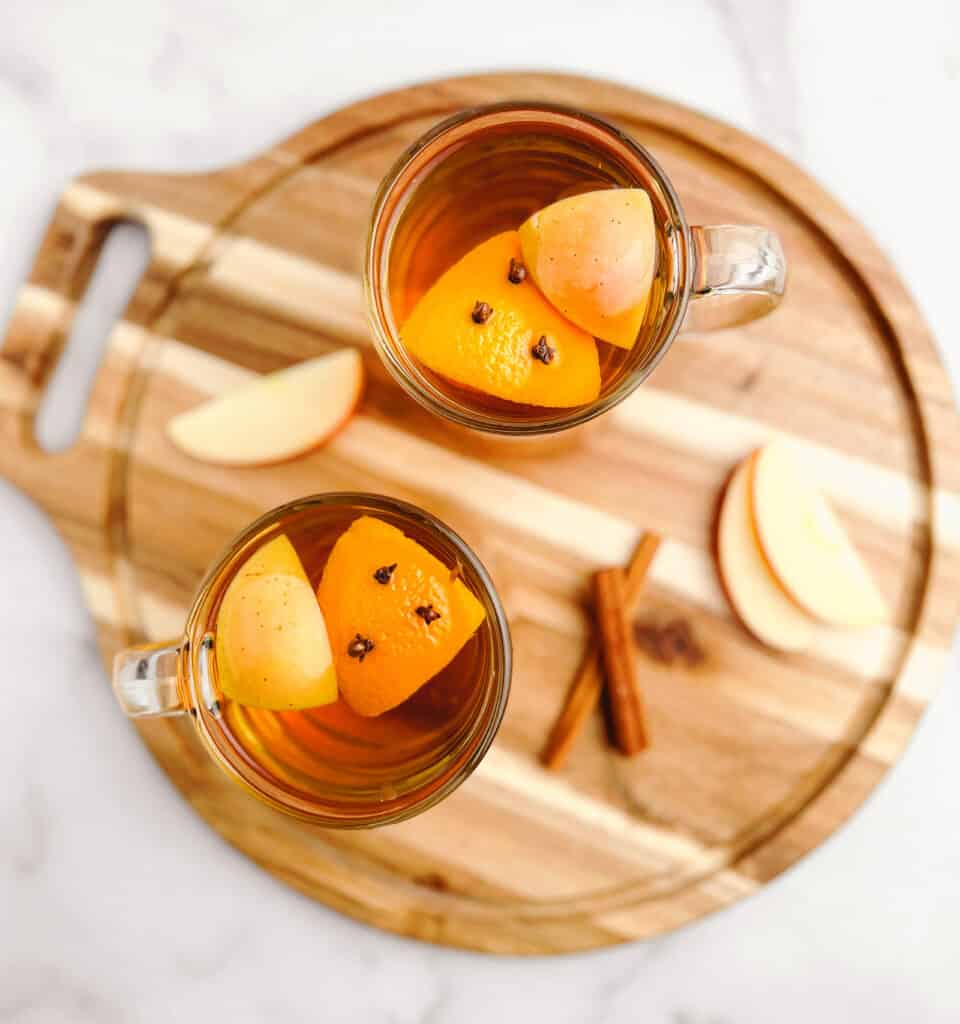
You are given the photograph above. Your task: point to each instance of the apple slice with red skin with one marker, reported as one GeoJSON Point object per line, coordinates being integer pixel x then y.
{"type": "Point", "coordinates": [751, 587]}
{"type": "Point", "coordinates": [593, 256]}
{"type": "Point", "coordinates": [805, 545]}
{"type": "Point", "coordinates": [275, 417]}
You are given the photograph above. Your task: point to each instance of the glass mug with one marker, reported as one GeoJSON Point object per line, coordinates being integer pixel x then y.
{"type": "Point", "coordinates": [485, 170]}
{"type": "Point", "coordinates": [329, 765]}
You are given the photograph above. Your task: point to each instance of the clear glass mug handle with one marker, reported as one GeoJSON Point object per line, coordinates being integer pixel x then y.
{"type": "Point", "coordinates": [145, 680]}
{"type": "Point", "coordinates": [739, 274]}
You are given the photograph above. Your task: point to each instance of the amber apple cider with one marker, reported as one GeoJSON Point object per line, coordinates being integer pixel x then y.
{"type": "Point", "coordinates": [319, 752]}
{"type": "Point", "coordinates": [492, 183]}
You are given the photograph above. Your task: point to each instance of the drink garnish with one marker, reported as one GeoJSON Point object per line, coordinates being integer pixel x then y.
{"type": "Point", "coordinates": [493, 356]}
{"type": "Point", "coordinates": [482, 311]}
{"type": "Point", "coordinates": [594, 256]}
{"type": "Point", "coordinates": [383, 574]}
{"type": "Point", "coordinates": [428, 613]}
{"type": "Point", "coordinates": [359, 647]}
{"type": "Point", "coordinates": [272, 646]}
{"type": "Point", "coordinates": [543, 351]}
{"type": "Point", "coordinates": [361, 611]}
{"type": "Point", "coordinates": [517, 273]}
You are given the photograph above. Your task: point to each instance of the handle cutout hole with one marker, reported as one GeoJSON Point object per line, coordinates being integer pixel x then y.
{"type": "Point", "coordinates": [123, 260]}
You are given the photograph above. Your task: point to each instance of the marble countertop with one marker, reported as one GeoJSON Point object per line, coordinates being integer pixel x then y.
{"type": "Point", "coordinates": [116, 901]}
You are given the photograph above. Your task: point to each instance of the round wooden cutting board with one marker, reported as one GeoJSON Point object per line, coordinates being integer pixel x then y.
{"type": "Point", "coordinates": [756, 758]}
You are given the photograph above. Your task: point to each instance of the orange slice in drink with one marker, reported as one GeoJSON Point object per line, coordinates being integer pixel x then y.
{"type": "Point", "coordinates": [478, 328]}
{"type": "Point", "coordinates": [394, 615]}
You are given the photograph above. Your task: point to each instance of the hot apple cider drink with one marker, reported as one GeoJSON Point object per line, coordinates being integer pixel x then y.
{"type": "Point", "coordinates": [527, 266]}
{"type": "Point", "coordinates": [355, 657]}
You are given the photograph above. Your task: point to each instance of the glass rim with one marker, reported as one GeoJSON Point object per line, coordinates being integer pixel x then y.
{"type": "Point", "coordinates": [376, 275]}
{"type": "Point", "coordinates": [490, 714]}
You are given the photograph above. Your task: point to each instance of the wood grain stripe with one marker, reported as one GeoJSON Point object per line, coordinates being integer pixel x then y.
{"type": "Point", "coordinates": [328, 299]}
{"type": "Point", "coordinates": [877, 493]}
{"type": "Point", "coordinates": [176, 241]}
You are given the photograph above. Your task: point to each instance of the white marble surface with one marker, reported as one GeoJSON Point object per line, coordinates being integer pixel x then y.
{"type": "Point", "coordinates": [116, 902]}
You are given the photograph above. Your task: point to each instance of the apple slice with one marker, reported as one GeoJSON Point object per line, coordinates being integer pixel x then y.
{"type": "Point", "coordinates": [272, 647]}
{"type": "Point", "coordinates": [275, 417]}
{"type": "Point", "coordinates": [750, 585]}
{"type": "Point", "coordinates": [593, 256]}
{"type": "Point", "coordinates": [806, 547]}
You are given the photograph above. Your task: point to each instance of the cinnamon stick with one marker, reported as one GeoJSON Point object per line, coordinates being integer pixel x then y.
{"type": "Point", "coordinates": [617, 656]}
{"type": "Point", "coordinates": [581, 699]}
{"type": "Point", "coordinates": [584, 692]}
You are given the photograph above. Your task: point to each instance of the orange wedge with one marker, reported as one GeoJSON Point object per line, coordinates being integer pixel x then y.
{"type": "Point", "coordinates": [479, 329]}
{"type": "Point", "coordinates": [395, 616]}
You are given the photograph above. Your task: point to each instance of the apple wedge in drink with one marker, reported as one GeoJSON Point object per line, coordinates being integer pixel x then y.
{"type": "Point", "coordinates": [593, 256]}
{"type": "Point", "coordinates": [272, 646]}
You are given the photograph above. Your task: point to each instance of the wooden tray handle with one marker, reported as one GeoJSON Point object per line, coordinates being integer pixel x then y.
{"type": "Point", "coordinates": [43, 314]}
{"type": "Point", "coordinates": [44, 310]}
{"type": "Point", "coordinates": [181, 214]}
